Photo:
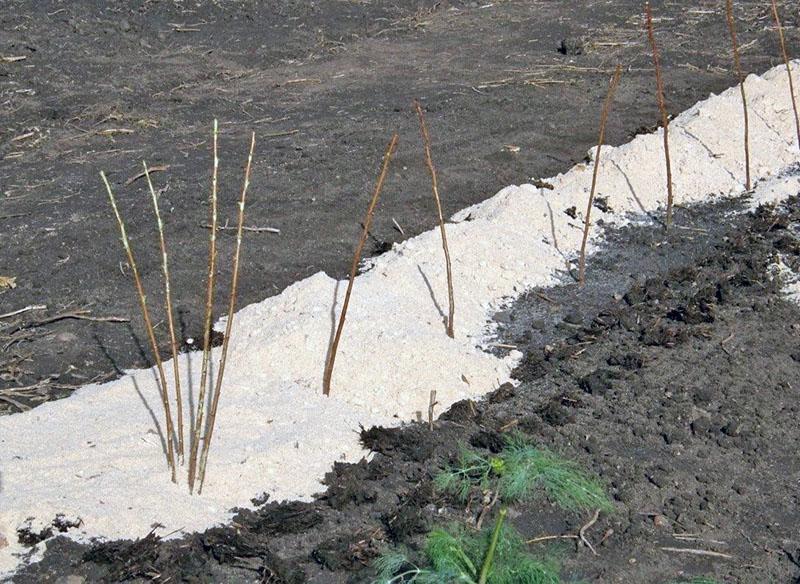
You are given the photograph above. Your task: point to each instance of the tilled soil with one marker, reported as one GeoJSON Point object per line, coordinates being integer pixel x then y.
{"type": "Point", "coordinates": [672, 375]}
{"type": "Point", "coordinates": [512, 90]}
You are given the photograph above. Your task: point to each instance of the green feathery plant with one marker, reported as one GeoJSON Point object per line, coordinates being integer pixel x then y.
{"type": "Point", "coordinates": [518, 472]}
{"type": "Point", "coordinates": [492, 556]}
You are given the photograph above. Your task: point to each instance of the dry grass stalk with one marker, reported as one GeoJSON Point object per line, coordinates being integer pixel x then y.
{"type": "Point", "coordinates": [738, 66]}
{"type": "Point", "coordinates": [785, 54]}
{"type": "Point", "coordinates": [612, 88]}
{"type": "Point", "coordinates": [435, 186]}
{"type": "Point", "coordinates": [149, 326]}
{"type": "Point", "coordinates": [212, 414]}
{"type": "Point", "coordinates": [212, 259]}
{"type": "Point", "coordinates": [170, 317]}
{"type": "Point", "coordinates": [328, 373]}
{"type": "Point", "coordinates": [662, 107]}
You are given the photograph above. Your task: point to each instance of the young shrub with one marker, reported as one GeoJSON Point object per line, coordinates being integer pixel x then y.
{"type": "Point", "coordinates": [327, 374]}
{"type": "Point", "coordinates": [199, 419]}
{"type": "Point", "coordinates": [785, 55]}
{"type": "Point", "coordinates": [737, 63]}
{"type": "Point", "coordinates": [587, 223]}
{"type": "Point", "coordinates": [199, 423]}
{"type": "Point", "coordinates": [173, 341]}
{"type": "Point", "coordinates": [662, 106]}
{"type": "Point", "coordinates": [148, 323]}
{"type": "Point", "coordinates": [426, 141]}
{"type": "Point", "coordinates": [212, 414]}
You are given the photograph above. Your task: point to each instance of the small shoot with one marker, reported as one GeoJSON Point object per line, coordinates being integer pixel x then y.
{"type": "Point", "coordinates": [331, 360]}
{"type": "Point", "coordinates": [199, 419]}
{"type": "Point", "coordinates": [426, 140]}
{"type": "Point", "coordinates": [493, 556]}
{"type": "Point", "coordinates": [612, 88]}
{"type": "Point", "coordinates": [519, 472]}
{"type": "Point", "coordinates": [785, 54]}
{"type": "Point", "coordinates": [662, 106]}
{"type": "Point", "coordinates": [148, 323]}
{"type": "Point", "coordinates": [212, 414]}
{"type": "Point", "coordinates": [170, 316]}
{"type": "Point", "coordinates": [737, 63]}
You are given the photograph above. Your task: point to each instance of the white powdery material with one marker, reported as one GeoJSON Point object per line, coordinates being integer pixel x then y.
{"type": "Point", "coordinates": [97, 455]}
{"type": "Point", "coordinates": [789, 279]}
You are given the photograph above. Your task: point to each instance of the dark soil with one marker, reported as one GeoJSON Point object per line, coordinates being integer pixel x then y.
{"type": "Point", "coordinates": [101, 86]}
{"type": "Point", "coordinates": [672, 375]}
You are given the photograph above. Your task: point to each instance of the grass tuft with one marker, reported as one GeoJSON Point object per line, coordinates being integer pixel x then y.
{"type": "Point", "coordinates": [519, 472]}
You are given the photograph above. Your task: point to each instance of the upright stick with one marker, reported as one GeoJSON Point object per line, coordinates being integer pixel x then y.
{"type": "Point", "coordinates": [788, 67]}
{"type": "Point", "coordinates": [426, 139]}
{"type": "Point", "coordinates": [612, 88]}
{"type": "Point", "coordinates": [662, 106]}
{"type": "Point", "coordinates": [738, 65]}
{"type": "Point", "coordinates": [212, 414]}
{"type": "Point", "coordinates": [148, 325]}
{"type": "Point", "coordinates": [328, 373]}
{"type": "Point", "coordinates": [170, 318]}
{"type": "Point", "coordinates": [212, 259]}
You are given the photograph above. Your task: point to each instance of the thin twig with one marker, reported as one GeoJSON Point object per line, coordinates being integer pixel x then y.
{"type": "Point", "coordinates": [328, 373]}
{"type": "Point", "coordinates": [697, 552]}
{"type": "Point", "coordinates": [80, 315]}
{"type": "Point", "coordinates": [426, 139]}
{"type": "Point", "coordinates": [662, 107]}
{"type": "Point", "coordinates": [788, 67]}
{"type": "Point", "coordinates": [251, 229]}
{"type": "Point", "coordinates": [212, 414]}
{"type": "Point", "coordinates": [170, 317]}
{"type": "Point", "coordinates": [552, 537]}
{"type": "Point", "coordinates": [738, 66]}
{"type": "Point", "coordinates": [432, 403]}
{"type": "Point", "coordinates": [22, 310]}
{"type": "Point", "coordinates": [585, 528]}
{"type": "Point", "coordinates": [151, 170]}
{"type": "Point", "coordinates": [612, 88]}
{"type": "Point", "coordinates": [581, 535]}
{"type": "Point", "coordinates": [397, 226]}
{"type": "Point", "coordinates": [212, 259]}
{"type": "Point", "coordinates": [148, 325]}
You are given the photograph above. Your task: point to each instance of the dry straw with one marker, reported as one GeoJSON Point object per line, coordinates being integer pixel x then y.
{"type": "Point", "coordinates": [329, 362]}
{"type": "Point", "coordinates": [426, 139]}
{"type": "Point", "coordinates": [170, 316]}
{"type": "Point", "coordinates": [738, 66]}
{"type": "Point", "coordinates": [612, 88]}
{"type": "Point", "coordinates": [212, 414]}
{"type": "Point", "coordinates": [149, 326]}
{"type": "Point", "coordinates": [662, 107]}
{"type": "Point", "coordinates": [785, 54]}
{"type": "Point", "coordinates": [212, 259]}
